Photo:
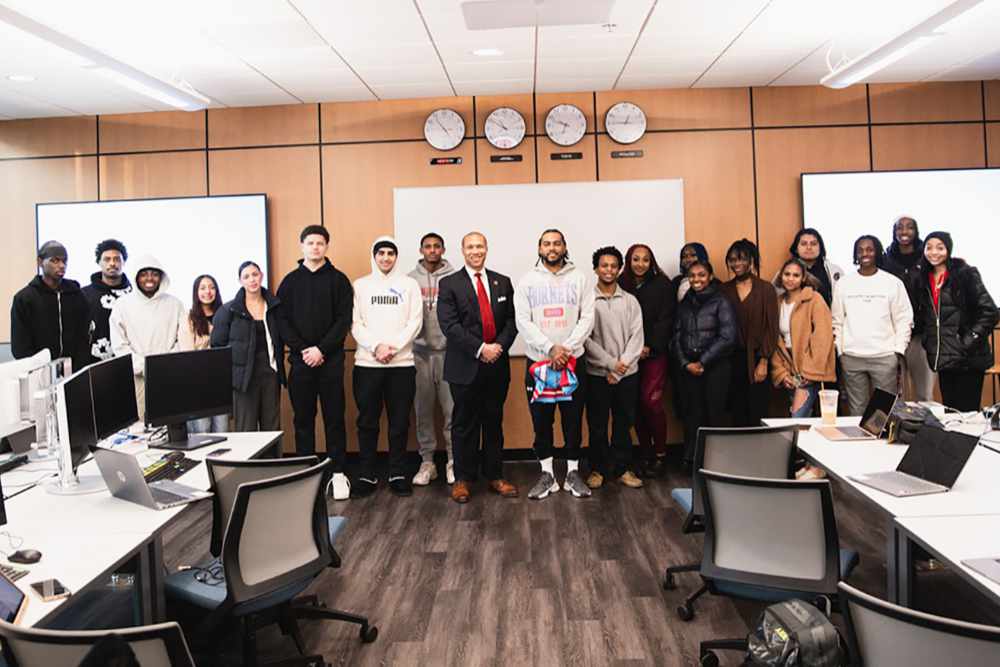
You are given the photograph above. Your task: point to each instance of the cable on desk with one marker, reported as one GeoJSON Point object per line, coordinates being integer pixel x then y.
{"type": "Point", "coordinates": [15, 542]}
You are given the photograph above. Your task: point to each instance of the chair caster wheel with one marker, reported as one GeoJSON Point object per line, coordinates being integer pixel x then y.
{"type": "Point", "coordinates": [668, 582]}
{"type": "Point", "coordinates": [709, 659]}
{"type": "Point", "coordinates": [685, 612]}
{"type": "Point", "coordinates": [369, 633]}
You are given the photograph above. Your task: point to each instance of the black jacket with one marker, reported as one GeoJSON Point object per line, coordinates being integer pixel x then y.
{"type": "Point", "coordinates": [462, 325]}
{"type": "Point", "coordinates": [658, 299]}
{"type": "Point", "coordinates": [705, 327]}
{"type": "Point", "coordinates": [233, 325]}
{"type": "Point", "coordinates": [316, 309]}
{"type": "Point", "coordinates": [956, 335]}
{"type": "Point", "coordinates": [41, 317]}
{"type": "Point", "coordinates": [907, 269]}
{"type": "Point", "coordinates": [101, 298]}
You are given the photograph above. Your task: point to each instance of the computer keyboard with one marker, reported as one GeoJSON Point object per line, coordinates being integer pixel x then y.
{"type": "Point", "coordinates": [12, 573]}
{"type": "Point", "coordinates": [168, 468]}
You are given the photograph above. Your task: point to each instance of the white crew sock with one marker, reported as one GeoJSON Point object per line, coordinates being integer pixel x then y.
{"type": "Point", "coordinates": [571, 466]}
{"type": "Point", "coordinates": [547, 465]}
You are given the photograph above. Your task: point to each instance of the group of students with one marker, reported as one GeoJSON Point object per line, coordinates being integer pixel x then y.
{"type": "Point", "coordinates": [601, 344]}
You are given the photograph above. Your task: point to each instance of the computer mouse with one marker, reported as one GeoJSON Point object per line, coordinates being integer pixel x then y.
{"type": "Point", "coordinates": [174, 457]}
{"type": "Point", "coordinates": [25, 556]}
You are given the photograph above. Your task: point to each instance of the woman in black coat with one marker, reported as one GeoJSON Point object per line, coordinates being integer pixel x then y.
{"type": "Point", "coordinates": [957, 316]}
{"type": "Point", "coordinates": [705, 335]}
{"type": "Point", "coordinates": [249, 325]}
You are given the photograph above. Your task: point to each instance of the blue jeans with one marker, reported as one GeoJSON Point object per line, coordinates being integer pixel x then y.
{"type": "Point", "coordinates": [214, 424]}
{"type": "Point", "coordinates": [806, 410]}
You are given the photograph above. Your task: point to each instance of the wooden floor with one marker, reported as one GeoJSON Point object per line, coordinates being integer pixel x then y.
{"type": "Point", "coordinates": [518, 582]}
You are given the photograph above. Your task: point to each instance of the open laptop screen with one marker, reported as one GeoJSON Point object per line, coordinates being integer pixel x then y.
{"type": "Point", "coordinates": [877, 411]}
{"type": "Point", "coordinates": [11, 600]}
{"type": "Point", "coordinates": [937, 455]}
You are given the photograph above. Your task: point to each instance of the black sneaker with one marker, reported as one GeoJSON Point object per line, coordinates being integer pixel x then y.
{"type": "Point", "coordinates": [363, 486]}
{"type": "Point", "coordinates": [400, 485]}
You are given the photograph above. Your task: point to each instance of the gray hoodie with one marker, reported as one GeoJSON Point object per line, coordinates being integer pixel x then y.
{"type": "Point", "coordinates": [554, 308]}
{"type": "Point", "coordinates": [430, 339]}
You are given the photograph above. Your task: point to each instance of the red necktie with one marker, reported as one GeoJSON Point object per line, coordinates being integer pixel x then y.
{"type": "Point", "coordinates": [485, 311]}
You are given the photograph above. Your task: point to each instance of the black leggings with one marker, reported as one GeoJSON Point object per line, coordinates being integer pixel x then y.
{"type": "Point", "coordinates": [704, 400]}
{"type": "Point", "coordinates": [961, 389]}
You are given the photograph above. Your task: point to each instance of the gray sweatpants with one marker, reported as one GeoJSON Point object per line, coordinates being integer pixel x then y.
{"type": "Point", "coordinates": [863, 374]}
{"type": "Point", "coordinates": [431, 388]}
{"type": "Point", "coordinates": [921, 376]}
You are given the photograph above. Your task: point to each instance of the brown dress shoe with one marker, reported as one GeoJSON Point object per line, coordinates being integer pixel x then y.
{"type": "Point", "coordinates": [460, 492]}
{"type": "Point", "coordinates": [504, 488]}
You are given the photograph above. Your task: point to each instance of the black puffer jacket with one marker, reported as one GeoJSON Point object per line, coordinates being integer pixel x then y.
{"type": "Point", "coordinates": [705, 327]}
{"type": "Point", "coordinates": [658, 299]}
{"type": "Point", "coordinates": [234, 326]}
{"type": "Point", "coordinates": [956, 335]}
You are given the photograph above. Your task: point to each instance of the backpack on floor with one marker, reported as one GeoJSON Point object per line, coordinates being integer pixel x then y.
{"type": "Point", "coordinates": [794, 634]}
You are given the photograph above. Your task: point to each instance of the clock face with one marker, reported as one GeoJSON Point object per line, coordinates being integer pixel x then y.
{"type": "Point", "coordinates": [444, 129]}
{"type": "Point", "coordinates": [504, 128]}
{"type": "Point", "coordinates": [565, 124]}
{"type": "Point", "coordinates": [625, 123]}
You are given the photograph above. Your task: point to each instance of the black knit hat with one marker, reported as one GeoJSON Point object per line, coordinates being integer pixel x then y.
{"type": "Point", "coordinates": [943, 237]}
{"type": "Point", "coordinates": [384, 244]}
{"type": "Point", "coordinates": [52, 249]}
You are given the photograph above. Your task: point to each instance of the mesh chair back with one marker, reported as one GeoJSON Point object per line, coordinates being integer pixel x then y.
{"type": "Point", "coordinates": [767, 452]}
{"type": "Point", "coordinates": [770, 532]}
{"type": "Point", "coordinates": [278, 533]}
{"type": "Point", "coordinates": [226, 476]}
{"type": "Point", "coordinates": [161, 645]}
{"type": "Point", "coordinates": [886, 635]}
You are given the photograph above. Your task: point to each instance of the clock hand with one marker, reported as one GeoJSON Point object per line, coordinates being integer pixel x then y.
{"type": "Point", "coordinates": [446, 130]}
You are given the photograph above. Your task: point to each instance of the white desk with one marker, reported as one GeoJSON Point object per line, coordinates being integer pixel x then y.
{"type": "Point", "coordinates": [85, 538]}
{"type": "Point", "coordinates": [954, 539]}
{"type": "Point", "coordinates": [976, 492]}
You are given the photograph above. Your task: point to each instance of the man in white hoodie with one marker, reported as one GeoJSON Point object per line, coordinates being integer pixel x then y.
{"type": "Point", "coordinates": [554, 306]}
{"type": "Point", "coordinates": [146, 321]}
{"type": "Point", "coordinates": [872, 323]}
{"type": "Point", "coordinates": [428, 358]}
{"type": "Point", "coordinates": [388, 315]}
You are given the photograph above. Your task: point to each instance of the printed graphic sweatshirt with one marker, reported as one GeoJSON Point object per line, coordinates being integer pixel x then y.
{"type": "Point", "coordinates": [554, 308]}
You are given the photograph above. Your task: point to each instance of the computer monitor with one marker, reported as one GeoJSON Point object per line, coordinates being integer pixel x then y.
{"type": "Point", "coordinates": [112, 383]}
{"type": "Point", "coordinates": [181, 386]}
{"type": "Point", "coordinates": [75, 412]}
{"type": "Point", "coordinates": [13, 384]}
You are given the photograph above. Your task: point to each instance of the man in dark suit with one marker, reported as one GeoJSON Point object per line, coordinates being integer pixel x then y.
{"type": "Point", "coordinates": [476, 313]}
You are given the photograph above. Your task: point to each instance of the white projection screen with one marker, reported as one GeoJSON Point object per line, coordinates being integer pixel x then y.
{"type": "Point", "coordinates": [963, 202]}
{"type": "Point", "coordinates": [512, 217]}
{"type": "Point", "coordinates": [190, 235]}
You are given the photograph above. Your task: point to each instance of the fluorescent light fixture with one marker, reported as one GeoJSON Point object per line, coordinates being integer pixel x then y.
{"type": "Point", "coordinates": [485, 53]}
{"type": "Point", "coordinates": [897, 48]}
{"type": "Point", "coordinates": [20, 78]}
{"type": "Point", "coordinates": [136, 80]}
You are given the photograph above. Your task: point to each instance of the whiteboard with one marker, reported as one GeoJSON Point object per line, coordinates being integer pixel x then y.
{"type": "Point", "coordinates": [513, 217]}
{"type": "Point", "coordinates": [190, 236]}
{"type": "Point", "coordinates": [963, 202]}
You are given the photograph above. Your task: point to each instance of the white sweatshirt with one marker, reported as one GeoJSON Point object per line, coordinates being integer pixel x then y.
{"type": "Point", "coordinates": [388, 310]}
{"type": "Point", "coordinates": [143, 325]}
{"type": "Point", "coordinates": [554, 308]}
{"type": "Point", "coordinates": [872, 316]}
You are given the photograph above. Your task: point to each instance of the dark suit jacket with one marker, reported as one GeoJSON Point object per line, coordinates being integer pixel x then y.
{"type": "Point", "coordinates": [458, 315]}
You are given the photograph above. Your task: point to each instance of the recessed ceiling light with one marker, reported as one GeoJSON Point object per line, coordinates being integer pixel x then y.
{"type": "Point", "coordinates": [487, 52]}
{"type": "Point", "coordinates": [20, 78]}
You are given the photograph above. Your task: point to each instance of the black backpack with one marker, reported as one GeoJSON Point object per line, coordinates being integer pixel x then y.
{"type": "Point", "coordinates": [794, 634]}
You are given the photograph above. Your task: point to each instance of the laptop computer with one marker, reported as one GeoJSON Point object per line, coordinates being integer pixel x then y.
{"type": "Point", "coordinates": [931, 464]}
{"type": "Point", "coordinates": [125, 480]}
{"type": "Point", "coordinates": [12, 601]}
{"type": "Point", "coordinates": [873, 421]}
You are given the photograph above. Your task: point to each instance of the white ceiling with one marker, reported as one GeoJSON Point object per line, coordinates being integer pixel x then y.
{"type": "Point", "coordinates": [259, 52]}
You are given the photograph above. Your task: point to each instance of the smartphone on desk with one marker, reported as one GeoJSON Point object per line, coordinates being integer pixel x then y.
{"type": "Point", "coordinates": [50, 589]}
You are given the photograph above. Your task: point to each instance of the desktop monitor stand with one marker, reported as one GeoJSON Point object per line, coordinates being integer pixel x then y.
{"type": "Point", "coordinates": [178, 438]}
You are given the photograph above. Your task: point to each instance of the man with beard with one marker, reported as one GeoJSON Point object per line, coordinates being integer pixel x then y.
{"type": "Point", "coordinates": [554, 306]}
{"type": "Point", "coordinates": [106, 286]}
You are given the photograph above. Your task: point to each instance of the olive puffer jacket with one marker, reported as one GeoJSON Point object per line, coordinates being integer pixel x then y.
{"type": "Point", "coordinates": [956, 334]}
{"type": "Point", "coordinates": [705, 327]}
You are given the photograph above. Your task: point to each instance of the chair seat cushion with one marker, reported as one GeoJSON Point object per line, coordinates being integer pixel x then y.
{"type": "Point", "coordinates": [848, 561]}
{"type": "Point", "coordinates": [684, 498]}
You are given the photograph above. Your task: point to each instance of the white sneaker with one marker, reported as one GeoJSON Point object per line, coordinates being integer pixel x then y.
{"type": "Point", "coordinates": [449, 472]}
{"type": "Point", "coordinates": [339, 486]}
{"type": "Point", "coordinates": [427, 473]}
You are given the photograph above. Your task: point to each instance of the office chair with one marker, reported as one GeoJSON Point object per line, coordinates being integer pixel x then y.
{"type": "Point", "coordinates": [770, 540]}
{"type": "Point", "coordinates": [161, 645]}
{"type": "Point", "coordinates": [881, 634]}
{"type": "Point", "coordinates": [277, 541]}
{"type": "Point", "coordinates": [763, 451]}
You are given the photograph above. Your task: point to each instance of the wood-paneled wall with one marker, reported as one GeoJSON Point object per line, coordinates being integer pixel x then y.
{"type": "Point", "coordinates": [740, 152]}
